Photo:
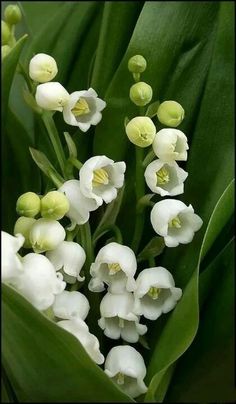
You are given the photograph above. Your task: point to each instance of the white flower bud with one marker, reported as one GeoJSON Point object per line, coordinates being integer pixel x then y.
{"type": "Point", "coordinates": [126, 367]}
{"type": "Point", "coordinates": [28, 204]}
{"type": "Point", "coordinates": [11, 264]}
{"type": "Point", "coordinates": [51, 96]}
{"type": "Point", "coordinates": [23, 226]}
{"type": "Point", "coordinates": [40, 282]}
{"type": "Point", "coordinates": [80, 206]}
{"type": "Point", "coordinates": [141, 131]}
{"type": "Point", "coordinates": [156, 293]}
{"type": "Point", "coordinates": [118, 318]}
{"type": "Point", "coordinates": [100, 178]}
{"type": "Point", "coordinates": [42, 68]}
{"type": "Point", "coordinates": [175, 221]}
{"type": "Point", "coordinates": [140, 93]}
{"type": "Point", "coordinates": [165, 178]}
{"type": "Point", "coordinates": [69, 257]}
{"type": "Point", "coordinates": [46, 234]}
{"type": "Point", "coordinates": [170, 113]}
{"type": "Point", "coordinates": [70, 305]}
{"type": "Point", "coordinates": [83, 109]}
{"type": "Point", "coordinates": [80, 330]}
{"type": "Point", "coordinates": [170, 144]}
{"type": "Point", "coordinates": [115, 265]}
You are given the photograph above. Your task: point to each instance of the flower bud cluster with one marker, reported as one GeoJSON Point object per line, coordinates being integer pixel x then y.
{"type": "Point", "coordinates": [12, 16]}
{"type": "Point", "coordinates": [80, 108]}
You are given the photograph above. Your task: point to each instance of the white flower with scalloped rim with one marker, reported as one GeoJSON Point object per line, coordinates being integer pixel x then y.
{"type": "Point", "coordinates": [170, 144]}
{"type": "Point", "coordinates": [100, 177]}
{"type": "Point", "coordinates": [126, 367]}
{"type": "Point", "coordinates": [70, 305]}
{"type": "Point", "coordinates": [175, 221]}
{"type": "Point", "coordinates": [83, 109]}
{"type": "Point", "coordinates": [51, 96]}
{"type": "Point", "coordinates": [156, 293]}
{"type": "Point", "coordinates": [11, 263]}
{"type": "Point", "coordinates": [46, 234]}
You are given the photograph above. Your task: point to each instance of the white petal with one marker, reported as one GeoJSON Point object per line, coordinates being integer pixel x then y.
{"type": "Point", "coordinates": [68, 305]}
{"type": "Point", "coordinates": [10, 263]}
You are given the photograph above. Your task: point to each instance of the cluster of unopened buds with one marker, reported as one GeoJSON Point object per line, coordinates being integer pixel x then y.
{"type": "Point", "coordinates": [12, 16]}
{"type": "Point", "coordinates": [50, 276]}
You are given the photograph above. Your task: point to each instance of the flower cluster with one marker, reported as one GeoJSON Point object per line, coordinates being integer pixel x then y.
{"type": "Point", "coordinates": [61, 262]}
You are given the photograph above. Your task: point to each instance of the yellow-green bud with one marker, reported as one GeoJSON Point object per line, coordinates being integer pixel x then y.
{"type": "Point", "coordinates": [5, 50]}
{"type": "Point", "coordinates": [6, 33]}
{"type": "Point", "coordinates": [141, 131]}
{"type": "Point", "coordinates": [137, 64]}
{"type": "Point", "coordinates": [170, 113]}
{"type": "Point", "coordinates": [54, 205]}
{"type": "Point", "coordinates": [140, 93]}
{"type": "Point", "coordinates": [23, 226]}
{"type": "Point", "coordinates": [28, 204]}
{"type": "Point", "coordinates": [12, 14]}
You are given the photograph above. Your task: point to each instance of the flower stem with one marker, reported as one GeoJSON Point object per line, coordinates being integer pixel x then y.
{"type": "Point", "coordinates": [140, 190]}
{"type": "Point", "coordinates": [148, 159]}
{"type": "Point", "coordinates": [112, 227]}
{"type": "Point", "coordinates": [55, 139]}
{"type": "Point", "coordinates": [87, 245]}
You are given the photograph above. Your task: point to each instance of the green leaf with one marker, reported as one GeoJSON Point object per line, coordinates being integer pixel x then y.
{"type": "Point", "coordinates": [8, 70]}
{"type": "Point", "coordinates": [71, 145]}
{"type": "Point", "coordinates": [37, 353]}
{"type": "Point", "coordinates": [46, 167]}
{"type": "Point", "coordinates": [154, 248]}
{"type": "Point", "coordinates": [152, 109]}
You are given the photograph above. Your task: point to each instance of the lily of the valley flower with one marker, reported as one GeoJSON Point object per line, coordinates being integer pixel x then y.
{"type": "Point", "coordinates": [115, 265]}
{"type": "Point", "coordinates": [100, 177]}
{"type": "Point", "coordinates": [42, 68]}
{"type": "Point", "coordinates": [11, 264]}
{"type": "Point", "coordinates": [170, 144]}
{"type": "Point", "coordinates": [126, 367]}
{"type": "Point", "coordinates": [165, 178]}
{"type": "Point", "coordinates": [80, 330]}
{"type": "Point", "coordinates": [51, 96]}
{"type": "Point", "coordinates": [70, 305]}
{"type": "Point", "coordinates": [175, 221]}
{"type": "Point", "coordinates": [80, 206]}
{"type": "Point", "coordinates": [83, 109]}
{"type": "Point", "coordinates": [118, 319]}
{"type": "Point", "coordinates": [40, 282]}
{"type": "Point", "coordinates": [69, 257]}
{"type": "Point", "coordinates": [46, 234]}
{"type": "Point", "coordinates": [156, 293]}
{"type": "Point", "coordinates": [141, 131]}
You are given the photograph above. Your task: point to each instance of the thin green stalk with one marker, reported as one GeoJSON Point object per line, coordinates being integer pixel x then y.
{"type": "Point", "coordinates": [104, 230]}
{"type": "Point", "coordinates": [148, 159]}
{"type": "Point", "coordinates": [75, 162]}
{"type": "Point", "coordinates": [55, 139]}
{"type": "Point", "coordinates": [140, 190]}
{"type": "Point", "coordinates": [86, 240]}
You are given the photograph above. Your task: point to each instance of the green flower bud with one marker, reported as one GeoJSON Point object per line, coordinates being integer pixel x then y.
{"type": "Point", "coordinates": [137, 64]}
{"type": "Point", "coordinates": [12, 14]}
{"type": "Point", "coordinates": [170, 113]}
{"type": "Point", "coordinates": [54, 205]}
{"type": "Point", "coordinates": [5, 50]}
{"type": "Point", "coordinates": [28, 204]}
{"type": "Point", "coordinates": [141, 131]}
{"type": "Point", "coordinates": [23, 226]}
{"type": "Point", "coordinates": [6, 33]}
{"type": "Point", "coordinates": [140, 93]}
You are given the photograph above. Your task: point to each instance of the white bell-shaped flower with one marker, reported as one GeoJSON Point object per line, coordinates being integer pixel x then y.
{"type": "Point", "coordinates": [80, 330]}
{"type": "Point", "coordinates": [42, 68]}
{"type": "Point", "coordinates": [40, 282]}
{"type": "Point", "coordinates": [11, 263]}
{"type": "Point", "coordinates": [100, 177]}
{"type": "Point", "coordinates": [165, 178]}
{"type": "Point", "coordinates": [115, 265]}
{"type": "Point", "coordinates": [156, 293]}
{"type": "Point", "coordinates": [118, 318]}
{"type": "Point", "coordinates": [51, 96]}
{"type": "Point", "coordinates": [69, 257]}
{"type": "Point", "coordinates": [83, 109]}
{"type": "Point", "coordinates": [175, 221]}
{"type": "Point", "coordinates": [126, 367]}
{"type": "Point", "coordinates": [46, 234]}
{"type": "Point", "coordinates": [80, 206]}
{"type": "Point", "coordinates": [69, 305]}
{"type": "Point", "coordinates": [170, 144]}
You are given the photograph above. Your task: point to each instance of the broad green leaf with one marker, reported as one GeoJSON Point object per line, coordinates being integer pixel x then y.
{"type": "Point", "coordinates": [155, 247]}
{"type": "Point", "coordinates": [8, 70]}
{"type": "Point", "coordinates": [167, 349]}
{"type": "Point", "coordinates": [205, 372]}
{"type": "Point", "coordinates": [37, 353]}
